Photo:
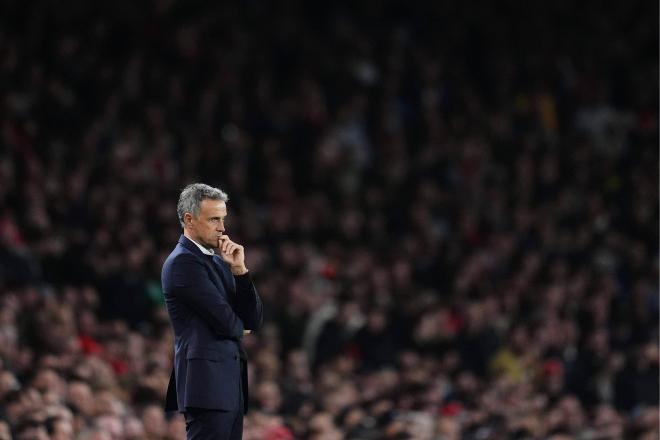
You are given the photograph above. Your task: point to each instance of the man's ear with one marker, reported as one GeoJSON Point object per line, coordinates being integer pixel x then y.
{"type": "Point", "coordinates": [187, 219]}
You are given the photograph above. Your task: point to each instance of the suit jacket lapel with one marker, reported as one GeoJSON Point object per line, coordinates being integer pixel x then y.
{"type": "Point", "coordinates": [215, 276]}
{"type": "Point", "coordinates": [225, 274]}
{"type": "Point", "coordinates": [226, 277]}
{"type": "Point", "coordinates": [210, 263]}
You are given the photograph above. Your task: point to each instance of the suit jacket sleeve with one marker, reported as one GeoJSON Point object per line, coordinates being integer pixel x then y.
{"type": "Point", "coordinates": [248, 304]}
{"type": "Point", "coordinates": [194, 288]}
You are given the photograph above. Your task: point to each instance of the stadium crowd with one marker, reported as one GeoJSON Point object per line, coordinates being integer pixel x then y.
{"type": "Point", "coordinates": [450, 210]}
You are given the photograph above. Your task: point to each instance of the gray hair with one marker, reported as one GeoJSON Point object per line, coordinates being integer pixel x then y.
{"type": "Point", "coordinates": [192, 195]}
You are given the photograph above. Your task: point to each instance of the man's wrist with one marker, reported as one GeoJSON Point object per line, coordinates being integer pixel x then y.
{"type": "Point", "coordinates": [239, 270]}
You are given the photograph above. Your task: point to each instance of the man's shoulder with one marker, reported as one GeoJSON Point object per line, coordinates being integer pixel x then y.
{"type": "Point", "coordinates": [179, 254]}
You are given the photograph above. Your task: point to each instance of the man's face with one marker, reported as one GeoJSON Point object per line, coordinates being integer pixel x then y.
{"type": "Point", "coordinates": [209, 225]}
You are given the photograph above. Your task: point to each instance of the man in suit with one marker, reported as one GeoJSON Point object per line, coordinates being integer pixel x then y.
{"type": "Point", "coordinates": [212, 303]}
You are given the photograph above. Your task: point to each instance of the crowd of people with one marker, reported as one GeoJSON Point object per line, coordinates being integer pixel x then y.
{"type": "Point", "coordinates": [450, 211]}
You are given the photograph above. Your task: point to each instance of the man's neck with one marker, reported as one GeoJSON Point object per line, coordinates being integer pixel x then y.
{"type": "Point", "coordinates": [204, 249]}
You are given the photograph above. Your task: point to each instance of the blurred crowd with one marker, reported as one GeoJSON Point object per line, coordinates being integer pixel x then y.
{"type": "Point", "coordinates": [450, 210]}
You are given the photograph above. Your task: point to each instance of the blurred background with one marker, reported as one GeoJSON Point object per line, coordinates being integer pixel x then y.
{"type": "Point", "coordinates": [450, 210]}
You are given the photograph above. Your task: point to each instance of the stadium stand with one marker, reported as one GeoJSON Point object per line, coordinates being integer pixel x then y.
{"type": "Point", "coordinates": [450, 210]}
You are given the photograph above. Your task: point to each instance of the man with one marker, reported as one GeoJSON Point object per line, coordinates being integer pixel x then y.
{"type": "Point", "coordinates": [211, 302]}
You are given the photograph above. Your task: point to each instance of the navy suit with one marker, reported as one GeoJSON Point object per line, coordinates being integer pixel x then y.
{"type": "Point", "coordinates": [209, 308]}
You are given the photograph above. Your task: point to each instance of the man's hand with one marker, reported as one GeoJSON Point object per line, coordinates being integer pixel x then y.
{"type": "Point", "coordinates": [233, 254]}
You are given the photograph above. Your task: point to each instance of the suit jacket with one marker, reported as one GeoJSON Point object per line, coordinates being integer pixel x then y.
{"type": "Point", "coordinates": [209, 308]}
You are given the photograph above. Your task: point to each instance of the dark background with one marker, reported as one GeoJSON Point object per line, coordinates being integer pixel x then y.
{"type": "Point", "coordinates": [450, 210]}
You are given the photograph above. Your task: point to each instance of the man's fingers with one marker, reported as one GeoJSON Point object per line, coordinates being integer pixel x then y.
{"type": "Point", "coordinates": [225, 242]}
{"type": "Point", "coordinates": [227, 246]}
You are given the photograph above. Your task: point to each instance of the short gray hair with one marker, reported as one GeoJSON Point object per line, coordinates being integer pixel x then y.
{"type": "Point", "coordinates": [192, 195]}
